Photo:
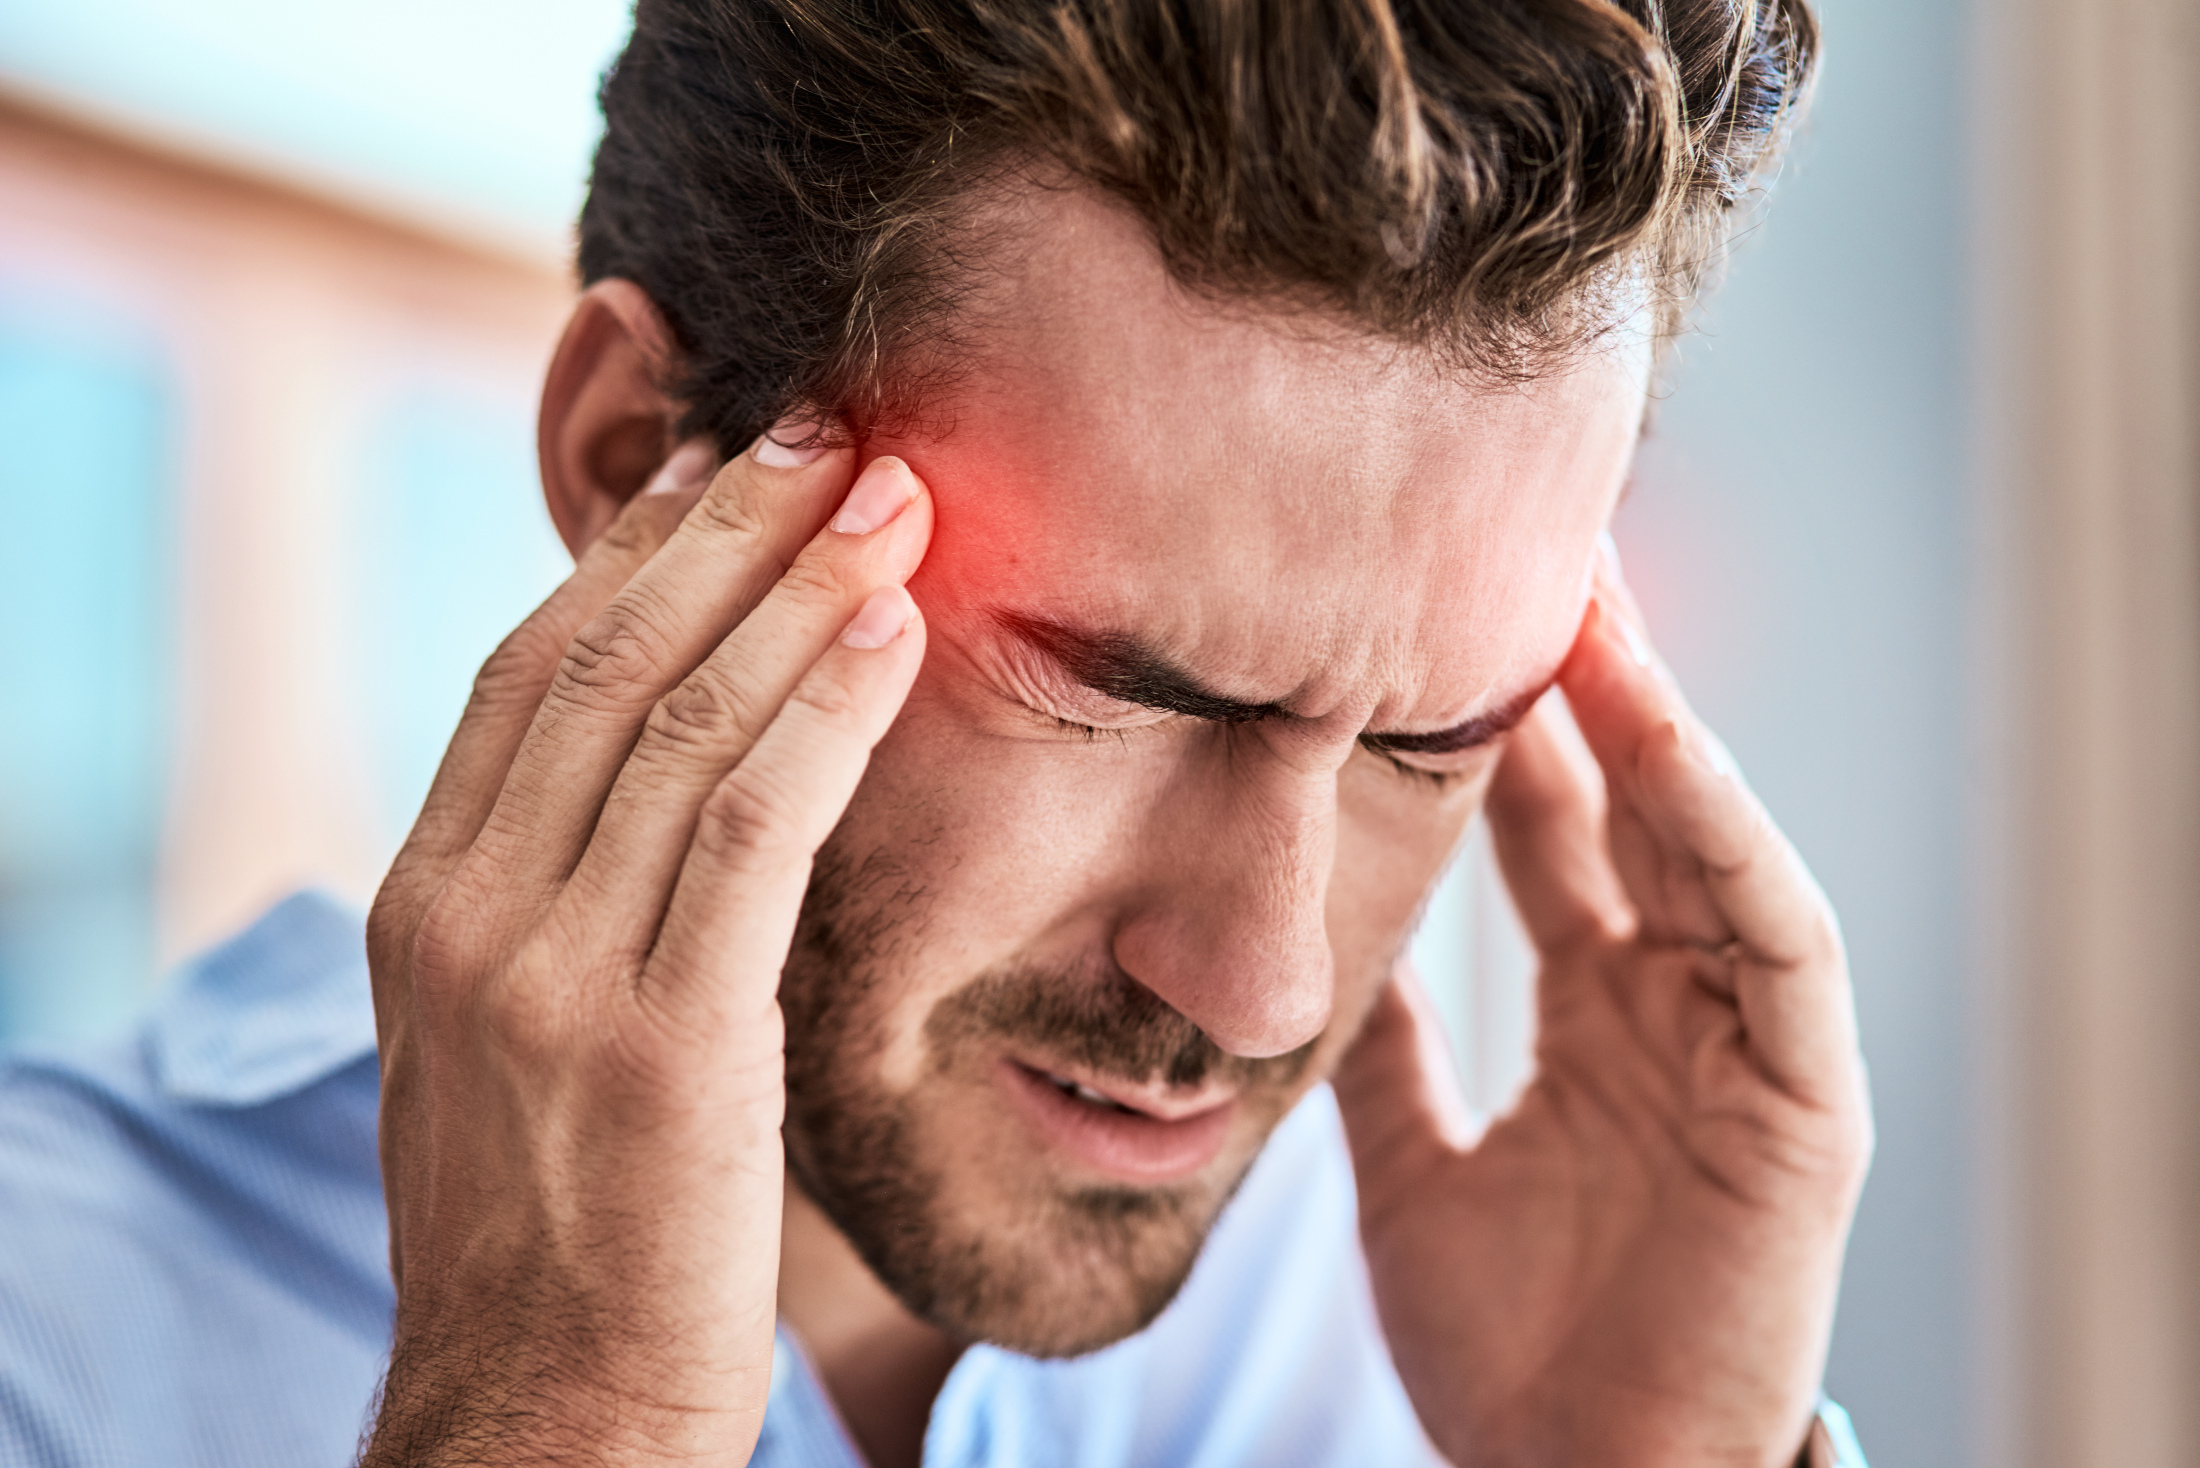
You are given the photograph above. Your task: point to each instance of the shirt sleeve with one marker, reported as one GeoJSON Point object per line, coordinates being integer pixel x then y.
{"type": "Point", "coordinates": [1832, 1440]}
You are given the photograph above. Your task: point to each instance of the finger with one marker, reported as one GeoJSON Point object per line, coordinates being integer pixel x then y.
{"type": "Point", "coordinates": [1645, 694]}
{"type": "Point", "coordinates": [733, 909]}
{"type": "Point", "coordinates": [1620, 698]}
{"type": "Point", "coordinates": [1547, 813]}
{"type": "Point", "coordinates": [511, 684]}
{"type": "Point", "coordinates": [1701, 857]}
{"type": "Point", "coordinates": [1756, 879]}
{"type": "Point", "coordinates": [739, 539]}
{"type": "Point", "coordinates": [704, 727]}
{"type": "Point", "coordinates": [1789, 974]}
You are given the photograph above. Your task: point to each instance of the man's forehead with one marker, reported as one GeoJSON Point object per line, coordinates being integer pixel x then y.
{"type": "Point", "coordinates": [1268, 501]}
{"type": "Point", "coordinates": [1080, 344]}
{"type": "Point", "coordinates": [1439, 597]}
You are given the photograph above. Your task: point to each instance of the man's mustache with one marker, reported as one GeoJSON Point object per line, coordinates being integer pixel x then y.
{"type": "Point", "coordinates": [1106, 1022]}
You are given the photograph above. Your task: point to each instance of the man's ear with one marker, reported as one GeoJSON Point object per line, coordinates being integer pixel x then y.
{"type": "Point", "coordinates": [606, 422]}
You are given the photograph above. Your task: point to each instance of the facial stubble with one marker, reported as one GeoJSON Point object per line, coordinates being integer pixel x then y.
{"type": "Point", "coordinates": [988, 1254]}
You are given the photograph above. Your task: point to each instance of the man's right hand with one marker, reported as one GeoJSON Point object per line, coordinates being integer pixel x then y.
{"type": "Point", "coordinates": [576, 962]}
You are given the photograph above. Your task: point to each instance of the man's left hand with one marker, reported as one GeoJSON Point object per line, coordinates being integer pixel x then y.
{"type": "Point", "coordinates": [1636, 1265]}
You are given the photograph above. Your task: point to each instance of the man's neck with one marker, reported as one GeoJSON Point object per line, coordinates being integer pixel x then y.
{"type": "Point", "coordinates": [881, 1366]}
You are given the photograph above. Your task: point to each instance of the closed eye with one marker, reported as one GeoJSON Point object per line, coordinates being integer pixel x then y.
{"type": "Point", "coordinates": [1440, 770]}
{"type": "Point", "coordinates": [1435, 779]}
{"type": "Point", "coordinates": [1071, 726]}
{"type": "Point", "coordinates": [1070, 706]}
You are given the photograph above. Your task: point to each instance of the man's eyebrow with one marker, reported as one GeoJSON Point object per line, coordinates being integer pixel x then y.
{"type": "Point", "coordinates": [1480, 729]}
{"type": "Point", "coordinates": [1120, 666]}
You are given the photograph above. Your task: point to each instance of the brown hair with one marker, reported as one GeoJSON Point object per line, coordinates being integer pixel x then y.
{"type": "Point", "coordinates": [782, 176]}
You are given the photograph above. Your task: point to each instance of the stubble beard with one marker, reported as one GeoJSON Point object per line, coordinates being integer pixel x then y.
{"type": "Point", "coordinates": [1048, 1269]}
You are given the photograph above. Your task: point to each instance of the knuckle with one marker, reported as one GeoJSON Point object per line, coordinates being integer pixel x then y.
{"type": "Point", "coordinates": [706, 711]}
{"type": "Point", "coordinates": [1816, 936]}
{"type": "Point", "coordinates": [614, 653]}
{"type": "Point", "coordinates": [516, 670]}
{"type": "Point", "coordinates": [1836, 1161]}
{"type": "Point", "coordinates": [818, 577]}
{"type": "Point", "coordinates": [827, 700]}
{"type": "Point", "coordinates": [646, 523]}
{"type": "Point", "coordinates": [754, 818]}
{"type": "Point", "coordinates": [526, 1019]}
{"type": "Point", "coordinates": [389, 922]}
{"type": "Point", "coordinates": [446, 943]}
{"type": "Point", "coordinates": [727, 509]}
{"type": "Point", "coordinates": [630, 535]}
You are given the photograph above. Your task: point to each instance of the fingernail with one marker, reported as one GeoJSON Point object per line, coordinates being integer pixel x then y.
{"type": "Point", "coordinates": [689, 465]}
{"type": "Point", "coordinates": [1610, 550]}
{"type": "Point", "coordinates": [777, 448]}
{"type": "Point", "coordinates": [881, 491]}
{"type": "Point", "coordinates": [882, 619]}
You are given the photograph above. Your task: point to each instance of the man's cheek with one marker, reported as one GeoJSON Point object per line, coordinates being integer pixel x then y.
{"type": "Point", "coordinates": [1395, 836]}
{"type": "Point", "coordinates": [998, 842]}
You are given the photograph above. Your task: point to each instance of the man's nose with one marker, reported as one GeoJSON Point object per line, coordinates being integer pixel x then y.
{"type": "Point", "coordinates": [1227, 926]}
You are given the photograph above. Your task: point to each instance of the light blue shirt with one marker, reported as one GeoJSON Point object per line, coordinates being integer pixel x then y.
{"type": "Point", "coordinates": [193, 1267]}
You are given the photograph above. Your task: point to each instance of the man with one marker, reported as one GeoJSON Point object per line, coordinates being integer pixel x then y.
{"type": "Point", "coordinates": [863, 983]}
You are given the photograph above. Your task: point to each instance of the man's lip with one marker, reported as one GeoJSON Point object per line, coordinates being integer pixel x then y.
{"type": "Point", "coordinates": [1162, 1103]}
{"type": "Point", "coordinates": [1133, 1143]}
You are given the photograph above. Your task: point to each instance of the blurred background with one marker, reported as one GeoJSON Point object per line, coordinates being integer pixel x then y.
{"type": "Point", "coordinates": [1916, 528]}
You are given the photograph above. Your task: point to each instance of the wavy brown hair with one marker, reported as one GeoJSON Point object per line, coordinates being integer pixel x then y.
{"type": "Point", "coordinates": [1488, 178]}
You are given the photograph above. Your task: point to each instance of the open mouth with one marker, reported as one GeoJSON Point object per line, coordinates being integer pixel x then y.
{"type": "Point", "coordinates": [1082, 1092]}
{"type": "Point", "coordinates": [1161, 1141]}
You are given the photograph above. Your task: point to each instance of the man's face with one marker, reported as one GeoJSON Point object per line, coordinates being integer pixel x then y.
{"type": "Point", "coordinates": [1223, 605]}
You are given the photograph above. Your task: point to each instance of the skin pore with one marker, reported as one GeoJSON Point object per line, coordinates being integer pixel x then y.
{"type": "Point", "coordinates": [1341, 546]}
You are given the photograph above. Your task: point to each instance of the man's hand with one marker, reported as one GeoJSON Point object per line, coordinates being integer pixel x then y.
{"type": "Point", "coordinates": [1636, 1265]}
{"type": "Point", "coordinates": [576, 961]}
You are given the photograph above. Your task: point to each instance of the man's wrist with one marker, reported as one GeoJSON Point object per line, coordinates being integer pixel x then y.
{"type": "Point", "coordinates": [453, 1406]}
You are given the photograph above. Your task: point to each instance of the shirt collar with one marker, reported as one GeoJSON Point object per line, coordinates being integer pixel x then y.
{"type": "Point", "coordinates": [283, 1004]}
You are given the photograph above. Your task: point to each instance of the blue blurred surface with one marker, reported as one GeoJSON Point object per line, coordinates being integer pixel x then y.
{"type": "Point", "coordinates": [86, 474]}
{"type": "Point", "coordinates": [454, 550]}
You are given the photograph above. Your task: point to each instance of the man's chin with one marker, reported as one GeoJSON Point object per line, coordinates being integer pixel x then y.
{"type": "Point", "coordinates": [1058, 1273]}
{"type": "Point", "coordinates": [1102, 1265]}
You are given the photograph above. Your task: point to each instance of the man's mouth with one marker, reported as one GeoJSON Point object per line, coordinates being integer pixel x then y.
{"type": "Point", "coordinates": [1083, 1092]}
{"type": "Point", "coordinates": [1132, 1133]}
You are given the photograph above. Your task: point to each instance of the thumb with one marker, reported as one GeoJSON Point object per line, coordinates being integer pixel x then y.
{"type": "Point", "coordinates": [1398, 1088]}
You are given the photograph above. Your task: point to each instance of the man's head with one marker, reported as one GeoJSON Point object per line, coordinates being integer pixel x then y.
{"type": "Point", "coordinates": [1274, 367]}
